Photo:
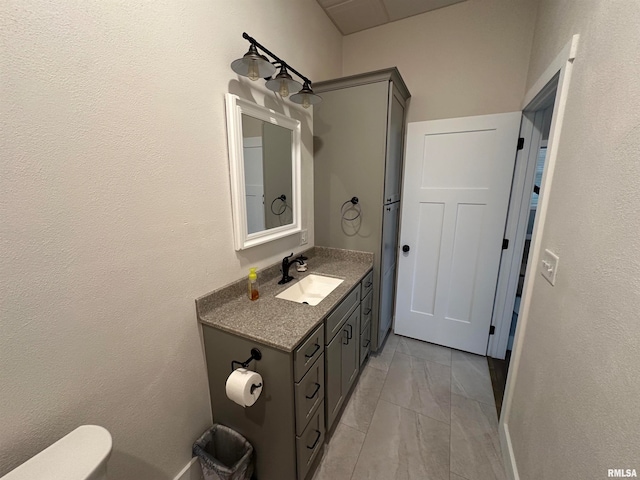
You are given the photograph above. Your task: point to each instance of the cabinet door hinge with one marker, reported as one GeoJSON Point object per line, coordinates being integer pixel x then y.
{"type": "Point", "coordinates": [520, 143]}
{"type": "Point", "coordinates": [492, 330]}
{"type": "Point", "coordinates": [505, 243]}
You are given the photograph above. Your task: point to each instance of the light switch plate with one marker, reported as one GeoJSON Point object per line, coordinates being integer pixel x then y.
{"type": "Point", "coordinates": [303, 237]}
{"type": "Point", "coordinates": [549, 266]}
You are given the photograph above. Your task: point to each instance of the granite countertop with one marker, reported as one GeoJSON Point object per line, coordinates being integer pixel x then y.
{"type": "Point", "coordinates": [279, 323]}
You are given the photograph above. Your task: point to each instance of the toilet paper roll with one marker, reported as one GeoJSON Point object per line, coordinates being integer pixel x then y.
{"type": "Point", "coordinates": [244, 387]}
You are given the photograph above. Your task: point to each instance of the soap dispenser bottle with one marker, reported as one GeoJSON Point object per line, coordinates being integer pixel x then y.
{"type": "Point", "coordinates": [253, 284]}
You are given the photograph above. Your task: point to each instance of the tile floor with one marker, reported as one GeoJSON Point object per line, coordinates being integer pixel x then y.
{"type": "Point", "coordinates": [420, 411]}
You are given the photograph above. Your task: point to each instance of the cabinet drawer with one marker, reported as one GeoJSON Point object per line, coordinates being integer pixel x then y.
{"type": "Point", "coordinates": [340, 314]}
{"type": "Point", "coordinates": [310, 442]}
{"type": "Point", "coordinates": [309, 394]}
{"type": "Point", "coordinates": [367, 305]}
{"type": "Point", "coordinates": [307, 353]}
{"type": "Point", "coordinates": [367, 284]}
{"type": "Point", "coordinates": [365, 342]}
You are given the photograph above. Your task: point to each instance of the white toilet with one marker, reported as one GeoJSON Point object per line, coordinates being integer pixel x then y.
{"type": "Point", "coordinates": [80, 455]}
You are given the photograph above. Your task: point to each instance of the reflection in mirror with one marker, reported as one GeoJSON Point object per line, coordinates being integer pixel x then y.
{"type": "Point", "coordinates": [264, 168]}
{"type": "Point", "coordinates": [267, 174]}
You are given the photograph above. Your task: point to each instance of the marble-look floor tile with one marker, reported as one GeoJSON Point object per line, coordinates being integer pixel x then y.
{"type": "Point", "coordinates": [419, 385]}
{"type": "Point", "coordinates": [382, 359]}
{"type": "Point", "coordinates": [470, 377]}
{"type": "Point", "coordinates": [340, 454]}
{"type": "Point", "coordinates": [428, 351]}
{"type": "Point", "coordinates": [403, 445]}
{"type": "Point", "coordinates": [363, 401]}
{"type": "Point", "coordinates": [475, 444]}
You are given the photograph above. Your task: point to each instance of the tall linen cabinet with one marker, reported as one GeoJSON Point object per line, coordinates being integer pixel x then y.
{"type": "Point", "coordinates": [359, 131]}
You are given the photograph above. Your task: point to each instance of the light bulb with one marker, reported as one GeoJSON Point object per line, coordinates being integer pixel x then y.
{"type": "Point", "coordinates": [305, 101]}
{"type": "Point", "coordinates": [253, 70]}
{"type": "Point", "coordinates": [284, 89]}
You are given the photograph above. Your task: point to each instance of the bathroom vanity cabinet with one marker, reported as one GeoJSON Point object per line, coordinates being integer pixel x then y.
{"type": "Point", "coordinates": [347, 345]}
{"type": "Point", "coordinates": [304, 388]}
{"type": "Point", "coordinates": [343, 355]}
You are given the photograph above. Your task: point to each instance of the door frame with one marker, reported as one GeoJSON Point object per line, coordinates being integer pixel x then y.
{"type": "Point", "coordinates": [562, 67]}
{"type": "Point", "coordinates": [531, 128]}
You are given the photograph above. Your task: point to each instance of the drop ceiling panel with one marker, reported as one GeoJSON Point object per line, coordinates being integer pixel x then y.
{"type": "Point", "coordinates": [398, 9]}
{"type": "Point", "coordinates": [329, 3]}
{"type": "Point", "coordinates": [355, 15]}
{"type": "Point", "coordinates": [352, 16]}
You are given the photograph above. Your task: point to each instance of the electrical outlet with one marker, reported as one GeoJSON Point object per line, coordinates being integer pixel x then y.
{"type": "Point", "coordinates": [549, 266]}
{"type": "Point", "coordinates": [303, 237]}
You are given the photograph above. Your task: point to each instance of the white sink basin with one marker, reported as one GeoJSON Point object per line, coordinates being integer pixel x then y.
{"type": "Point", "coordinates": [312, 289]}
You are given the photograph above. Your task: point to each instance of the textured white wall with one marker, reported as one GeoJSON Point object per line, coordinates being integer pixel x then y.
{"type": "Point", "coordinates": [576, 403]}
{"type": "Point", "coordinates": [467, 59]}
{"type": "Point", "coordinates": [115, 207]}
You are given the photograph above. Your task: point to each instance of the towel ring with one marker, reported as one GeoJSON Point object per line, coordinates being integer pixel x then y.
{"type": "Point", "coordinates": [283, 199]}
{"type": "Point", "coordinates": [353, 201]}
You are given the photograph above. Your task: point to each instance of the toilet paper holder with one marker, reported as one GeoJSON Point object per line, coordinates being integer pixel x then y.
{"type": "Point", "coordinates": [255, 355]}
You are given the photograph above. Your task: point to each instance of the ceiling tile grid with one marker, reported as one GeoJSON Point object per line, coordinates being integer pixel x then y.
{"type": "Point", "coordinates": [351, 16]}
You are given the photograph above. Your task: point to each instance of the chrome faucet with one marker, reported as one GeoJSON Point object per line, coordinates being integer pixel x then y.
{"type": "Point", "coordinates": [286, 264]}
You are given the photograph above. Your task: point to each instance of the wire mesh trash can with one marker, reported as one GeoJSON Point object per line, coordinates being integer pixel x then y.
{"type": "Point", "coordinates": [224, 454]}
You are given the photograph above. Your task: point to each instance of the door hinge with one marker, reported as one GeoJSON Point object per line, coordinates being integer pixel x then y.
{"type": "Point", "coordinates": [520, 143]}
{"type": "Point", "coordinates": [505, 243]}
{"type": "Point", "coordinates": [492, 329]}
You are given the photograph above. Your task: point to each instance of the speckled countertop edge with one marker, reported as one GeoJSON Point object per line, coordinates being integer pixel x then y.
{"type": "Point", "coordinates": [279, 323]}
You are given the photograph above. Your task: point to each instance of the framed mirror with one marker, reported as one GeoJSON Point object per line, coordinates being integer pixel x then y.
{"type": "Point", "coordinates": [264, 161]}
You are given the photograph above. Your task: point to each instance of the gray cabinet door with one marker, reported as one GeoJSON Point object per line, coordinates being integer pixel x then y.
{"type": "Point", "coordinates": [350, 351]}
{"type": "Point", "coordinates": [395, 147]}
{"type": "Point", "coordinates": [333, 378]}
{"type": "Point", "coordinates": [351, 127]}
{"type": "Point", "coordinates": [388, 264]}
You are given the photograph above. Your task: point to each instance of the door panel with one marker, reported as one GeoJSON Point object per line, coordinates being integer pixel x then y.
{"type": "Point", "coordinates": [350, 351]}
{"type": "Point", "coordinates": [430, 221]}
{"type": "Point", "coordinates": [386, 302]}
{"type": "Point", "coordinates": [393, 167]}
{"type": "Point", "coordinates": [254, 184]}
{"type": "Point", "coordinates": [456, 191]}
{"type": "Point", "coordinates": [464, 261]}
{"type": "Point", "coordinates": [388, 264]}
{"type": "Point", "coordinates": [333, 379]}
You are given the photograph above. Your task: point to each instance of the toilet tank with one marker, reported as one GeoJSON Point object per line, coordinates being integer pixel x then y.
{"type": "Point", "coordinates": [80, 455]}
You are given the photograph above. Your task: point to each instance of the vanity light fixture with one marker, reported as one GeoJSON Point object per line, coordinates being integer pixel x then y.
{"type": "Point", "coordinates": [253, 65]}
{"type": "Point", "coordinates": [256, 65]}
{"type": "Point", "coordinates": [306, 97]}
{"type": "Point", "coordinates": [283, 83]}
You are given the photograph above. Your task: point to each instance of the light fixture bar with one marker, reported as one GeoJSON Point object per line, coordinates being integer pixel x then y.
{"type": "Point", "coordinates": [275, 57]}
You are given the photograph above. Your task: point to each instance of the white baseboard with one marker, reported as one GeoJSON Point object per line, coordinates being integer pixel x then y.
{"type": "Point", "coordinates": [191, 471]}
{"type": "Point", "coordinates": [508, 458]}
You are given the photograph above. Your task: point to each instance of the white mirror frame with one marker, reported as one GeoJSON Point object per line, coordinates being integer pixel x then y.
{"type": "Point", "coordinates": [236, 106]}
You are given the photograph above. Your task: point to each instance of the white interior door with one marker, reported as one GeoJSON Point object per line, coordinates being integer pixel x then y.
{"type": "Point", "coordinates": [457, 181]}
{"type": "Point", "coordinates": [254, 184]}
